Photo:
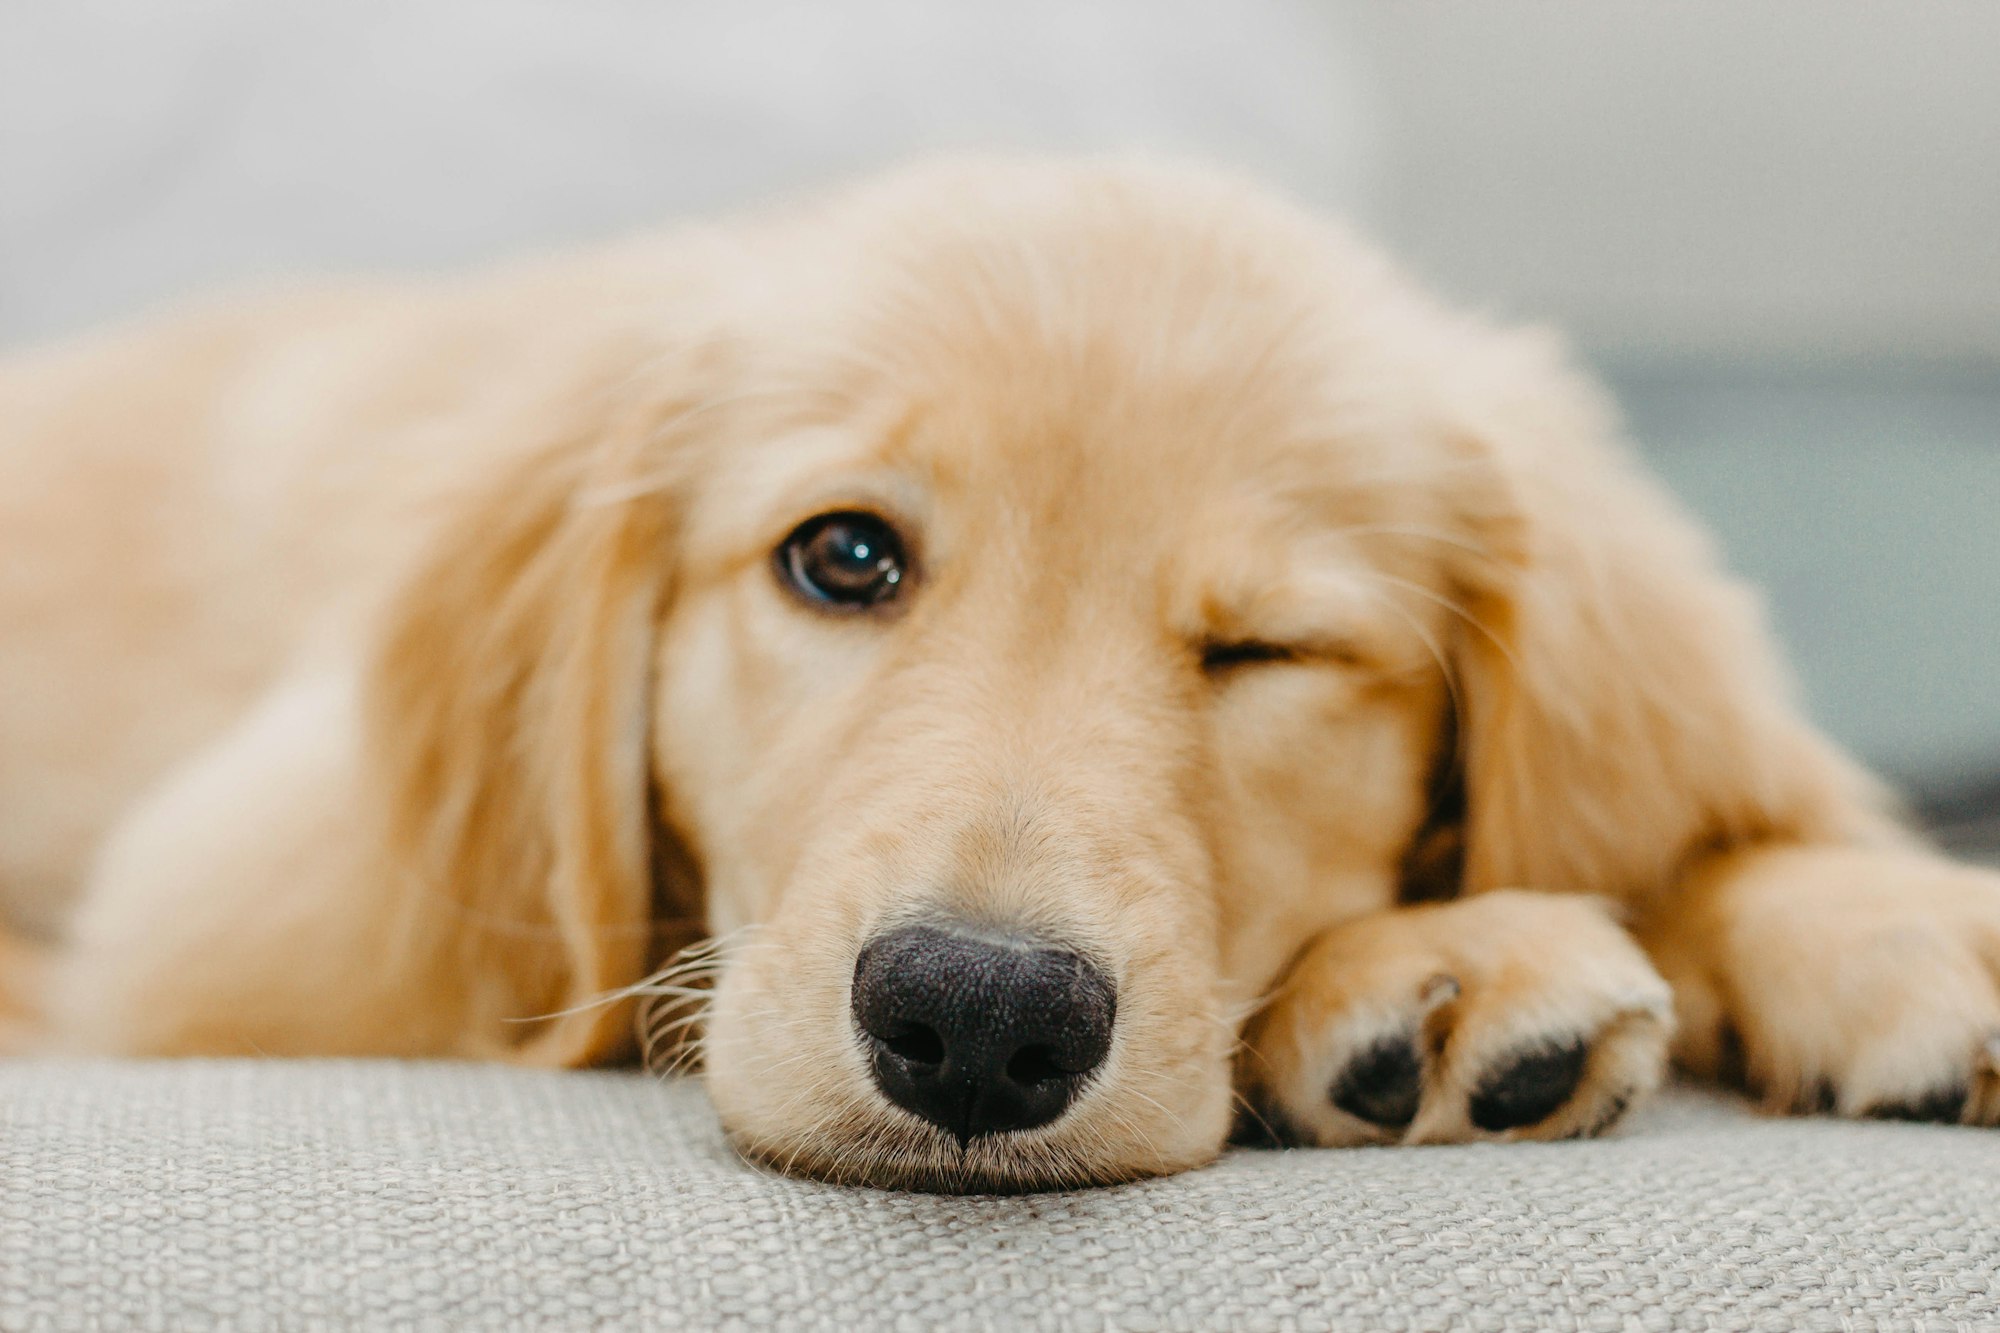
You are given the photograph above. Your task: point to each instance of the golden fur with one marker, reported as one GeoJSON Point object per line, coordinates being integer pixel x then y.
{"type": "Point", "coordinates": [403, 672]}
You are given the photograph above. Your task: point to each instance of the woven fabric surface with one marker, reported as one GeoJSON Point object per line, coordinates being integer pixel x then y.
{"type": "Point", "coordinates": [384, 1195]}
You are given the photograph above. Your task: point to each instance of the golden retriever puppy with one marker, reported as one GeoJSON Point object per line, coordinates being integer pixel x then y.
{"type": "Point", "coordinates": [1088, 646]}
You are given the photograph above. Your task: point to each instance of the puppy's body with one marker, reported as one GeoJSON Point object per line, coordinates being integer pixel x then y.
{"type": "Point", "coordinates": [403, 672]}
{"type": "Point", "coordinates": [189, 505]}
{"type": "Point", "coordinates": [203, 516]}
{"type": "Point", "coordinates": [182, 502]}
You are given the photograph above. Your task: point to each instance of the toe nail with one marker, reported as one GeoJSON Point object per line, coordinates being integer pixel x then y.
{"type": "Point", "coordinates": [1528, 1088]}
{"type": "Point", "coordinates": [1440, 989]}
{"type": "Point", "coordinates": [1614, 1111]}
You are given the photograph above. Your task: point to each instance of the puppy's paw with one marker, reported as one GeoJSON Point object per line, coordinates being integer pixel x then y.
{"type": "Point", "coordinates": [1827, 979]}
{"type": "Point", "coordinates": [1510, 1015]}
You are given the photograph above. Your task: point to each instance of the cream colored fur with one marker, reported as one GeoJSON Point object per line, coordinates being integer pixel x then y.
{"type": "Point", "coordinates": [403, 671]}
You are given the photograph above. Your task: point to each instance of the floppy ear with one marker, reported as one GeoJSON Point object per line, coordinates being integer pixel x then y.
{"type": "Point", "coordinates": [1623, 709]}
{"type": "Point", "coordinates": [508, 741]}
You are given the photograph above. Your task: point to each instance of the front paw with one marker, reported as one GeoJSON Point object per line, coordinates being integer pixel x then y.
{"type": "Point", "coordinates": [1860, 982]}
{"type": "Point", "coordinates": [1510, 1015]}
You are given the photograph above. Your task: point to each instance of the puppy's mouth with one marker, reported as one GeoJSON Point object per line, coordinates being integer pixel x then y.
{"type": "Point", "coordinates": [898, 1157]}
{"type": "Point", "coordinates": [978, 1045]}
{"type": "Point", "coordinates": [938, 1053]}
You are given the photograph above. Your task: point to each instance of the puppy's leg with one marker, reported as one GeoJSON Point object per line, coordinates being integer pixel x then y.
{"type": "Point", "coordinates": [1508, 1015]}
{"type": "Point", "coordinates": [234, 911]}
{"type": "Point", "coordinates": [1837, 978]}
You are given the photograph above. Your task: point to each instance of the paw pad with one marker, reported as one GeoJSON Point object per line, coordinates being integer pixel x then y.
{"type": "Point", "coordinates": [1529, 1088]}
{"type": "Point", "coordinates": [1944, 1105]}
{"type": "Point", "coordinates": [1383, 1084]}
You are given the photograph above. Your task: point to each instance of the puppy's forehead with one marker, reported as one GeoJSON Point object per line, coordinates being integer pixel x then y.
{"type": "Point", "coordinates": [1123, 369]}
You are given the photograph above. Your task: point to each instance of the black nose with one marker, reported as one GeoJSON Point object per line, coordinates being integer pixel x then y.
{"type": "Point", "coordinates": [979, 1035]}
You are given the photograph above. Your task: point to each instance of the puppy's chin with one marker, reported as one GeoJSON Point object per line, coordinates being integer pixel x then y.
{"type": "Point", "coordinates": [916, 1157]}
{"type": "Point", "coordinates": [888, 1149]}
{"type": "Point", "coordinates": [790, 1080]}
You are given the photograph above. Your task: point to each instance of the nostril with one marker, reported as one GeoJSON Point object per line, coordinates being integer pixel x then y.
{"type": "Point", "coordinates": [916, 1043]}
{"type": "Point", "coordinates": [1035, 1064]}
{"type": "Point", "coordinates": [979, 1035]}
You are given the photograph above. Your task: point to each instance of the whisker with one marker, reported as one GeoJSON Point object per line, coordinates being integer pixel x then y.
{"type": "Point", "coordinates": [667, 980]}
{"type": "Point", "coordinates": [660, 1031]}
{"type": "Point", "coordinates": [1444, 666]}
{"type": "Point", "coordinates": [1179, 1119]}
{"type": "Point", "coordinates": [1249, 1108]}
{"type": "Point", "coordinates": [685, 1056]}
{"type": "Point", "coordinates": [1457, 610]}
{"type": "Point", "coordinates": [682, 982]}
{"type": "Point", "coordinates": [1411, 530]}
{"type": "Point", "coordinates": [1427, 472]}
{"type": "Point", "coordinates": [673, 1010]}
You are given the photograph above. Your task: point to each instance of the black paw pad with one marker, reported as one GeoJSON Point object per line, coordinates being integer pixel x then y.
{"type": "Point", "coordinates": [1383, 1084]}
{"type": "Point", "coordinates": [1942, 1104]}
{"type": "Point", "coordinates": [1530, 1087]}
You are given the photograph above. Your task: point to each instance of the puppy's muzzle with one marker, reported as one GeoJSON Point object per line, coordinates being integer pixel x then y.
{"type": "Point", "coordinates": [977, 1034]}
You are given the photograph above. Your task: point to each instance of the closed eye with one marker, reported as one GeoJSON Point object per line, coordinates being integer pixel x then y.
{"type": "Point", "coordinates": [1217, 657]}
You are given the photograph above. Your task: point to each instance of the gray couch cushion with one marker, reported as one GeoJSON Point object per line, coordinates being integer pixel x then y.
{"type": "Point", "coordinates": [377, 1194]}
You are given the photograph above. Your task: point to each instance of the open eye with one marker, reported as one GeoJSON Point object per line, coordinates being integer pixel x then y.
{"type": "Point", "coordinates": [845, 561]}
{"type": "Point", "coordinates": [1222, 656]}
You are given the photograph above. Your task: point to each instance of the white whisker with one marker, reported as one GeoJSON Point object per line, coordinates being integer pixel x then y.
{"type": "Point", "coordinates": [1456, 609]}
{"type": "Point", "coordinates": [1444, 665]}
{"type": "Point", "coordinates": [1429, 534]}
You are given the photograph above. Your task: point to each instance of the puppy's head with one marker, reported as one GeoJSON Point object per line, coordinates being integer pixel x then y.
{"type": "Point", "coordinates": [1031, 604]}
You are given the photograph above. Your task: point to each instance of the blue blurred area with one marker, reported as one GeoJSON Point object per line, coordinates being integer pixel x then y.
{"type": "Point", "coordinates": [1866, 504]}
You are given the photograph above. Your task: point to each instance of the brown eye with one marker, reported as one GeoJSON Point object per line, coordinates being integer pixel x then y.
{"type": "Point", "coordinates": [1222, 656]}
{"type": "Point", "coordinates": [847, 561]}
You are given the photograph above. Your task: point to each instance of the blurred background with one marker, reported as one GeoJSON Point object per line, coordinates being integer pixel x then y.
{"type": "Point", "coordinates": [1773, 227]}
